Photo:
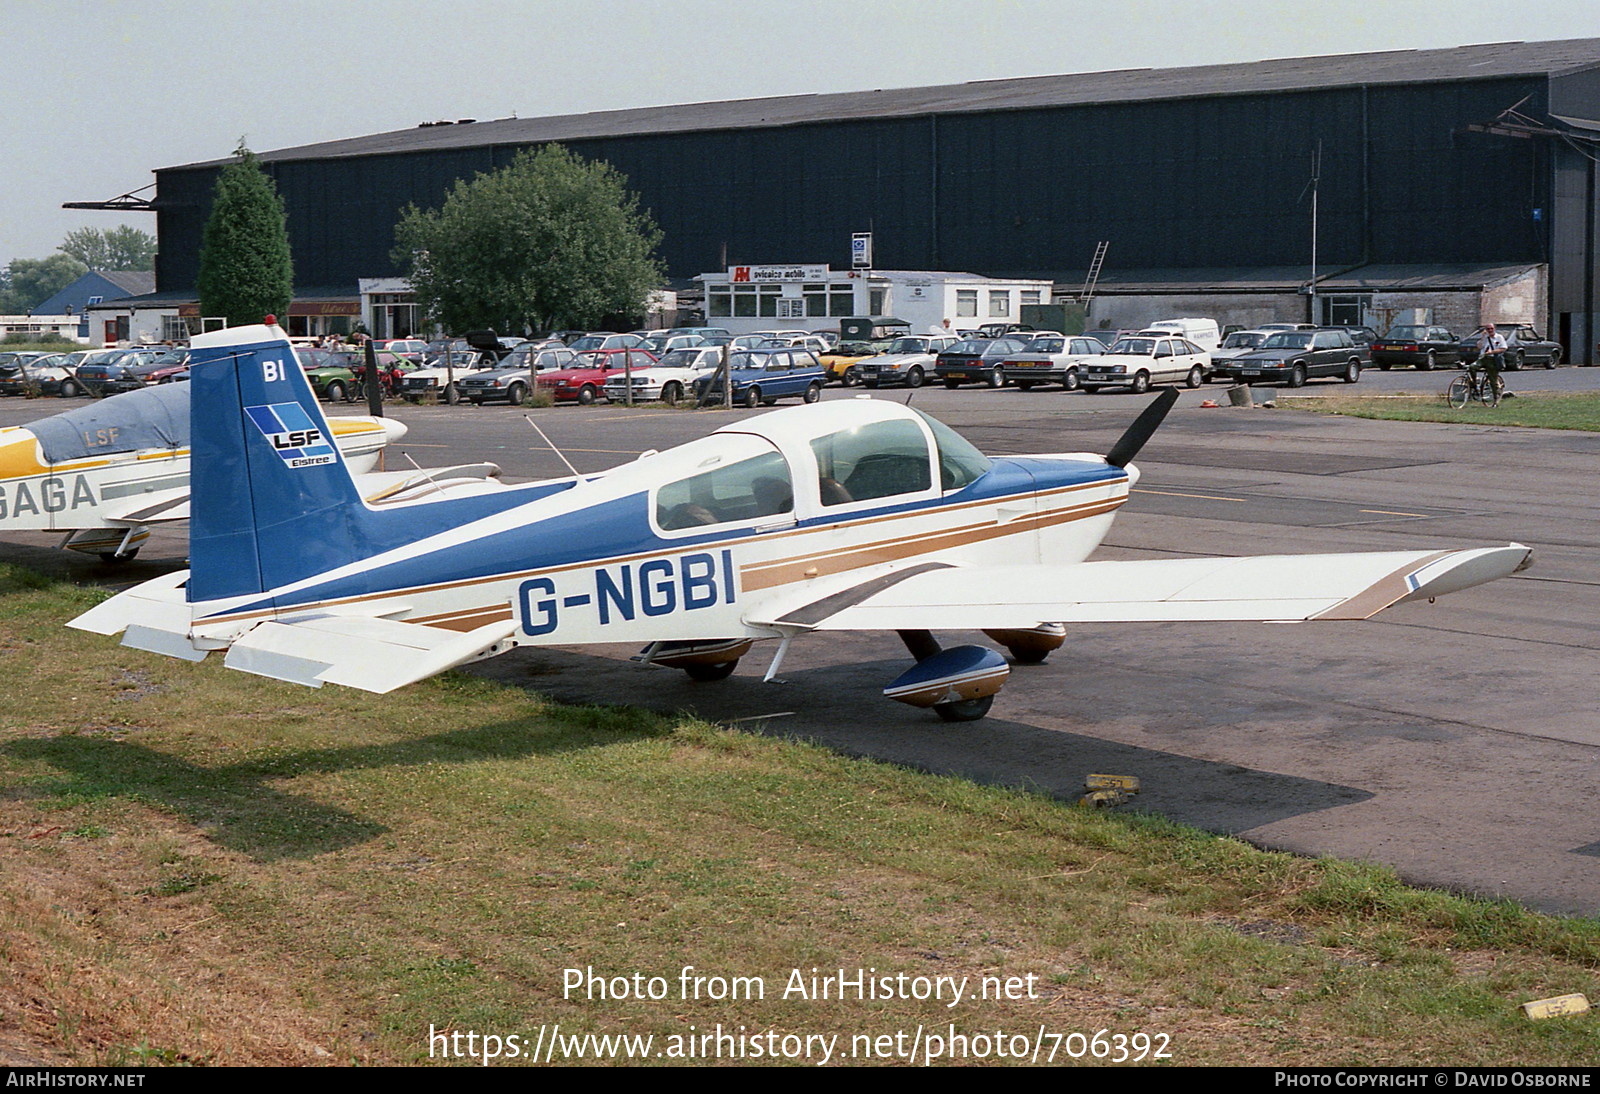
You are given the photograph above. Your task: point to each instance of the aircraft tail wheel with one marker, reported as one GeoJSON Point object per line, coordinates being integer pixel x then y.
{"type": "Point", "coordinates": [704, 661]}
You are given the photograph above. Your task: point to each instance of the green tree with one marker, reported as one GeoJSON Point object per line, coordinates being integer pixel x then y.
{"type": "Point", "coordinates": [119, 248]}
{"type": "Point", "coordinates": [29, 282]}
{"type": "Point", "coordinates": [550, 241]}
{"type": "Point", "coordinates": [245, 269]}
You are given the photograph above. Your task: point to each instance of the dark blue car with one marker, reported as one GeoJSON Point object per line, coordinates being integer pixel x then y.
{"type": "Point", "coordinates": [761, 377]}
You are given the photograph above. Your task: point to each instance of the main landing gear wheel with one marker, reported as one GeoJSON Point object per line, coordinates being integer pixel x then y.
{"type": "Point", "coordinates": [115, 559]}
{"type": "Point", "coordinates": [707, 674]}
{"type": "Point", "coordinates": [964, 710]}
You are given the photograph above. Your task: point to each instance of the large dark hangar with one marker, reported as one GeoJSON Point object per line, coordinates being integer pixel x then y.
{"type": "Point", "coordinates": [1446, 164]}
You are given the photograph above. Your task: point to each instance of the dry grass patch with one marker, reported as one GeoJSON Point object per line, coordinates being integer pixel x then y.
{"type": "Point", "coordinates": [206, 867]}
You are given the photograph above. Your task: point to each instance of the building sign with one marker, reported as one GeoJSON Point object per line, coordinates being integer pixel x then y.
{"type": "Point", "coordinates": [751, 274]}
{"type": "Point", "coordinates": [861, 250]}
{"type": "Point", "coordinates": [324, 307]}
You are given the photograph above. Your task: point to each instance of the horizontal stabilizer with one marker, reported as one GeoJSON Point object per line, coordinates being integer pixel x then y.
{"type": "Point", "coordinates": [372, 654]}
{"type": "Point", "coordinates": [158, 603]}
{"type": "Point", "coordinates": [1266, 588]}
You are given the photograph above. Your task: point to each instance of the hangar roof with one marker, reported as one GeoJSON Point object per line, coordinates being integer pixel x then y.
{"type": "Point", "coordinates": [1477, 62]}
{"type": "Point", "coordinates": [1377, 277]}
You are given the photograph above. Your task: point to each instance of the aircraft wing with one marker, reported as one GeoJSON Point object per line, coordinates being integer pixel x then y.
{"type": "Point", "coordinates": [1287, 588]}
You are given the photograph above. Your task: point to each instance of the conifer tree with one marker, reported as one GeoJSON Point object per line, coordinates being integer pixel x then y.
{"type": "Point", "coordinates": [245, 269]}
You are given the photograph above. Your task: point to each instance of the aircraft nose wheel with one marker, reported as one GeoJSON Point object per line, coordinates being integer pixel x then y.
{"type": "Point", "coordinates": [959, 684]}
{"type": "Point", "coordinates": [966, 710]}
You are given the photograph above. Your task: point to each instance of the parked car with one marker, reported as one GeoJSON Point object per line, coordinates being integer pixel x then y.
{"type": "Point", "coordinates": [1235, 343]}
{"type": "Point", "coordinates": [513, 377]}
{"type": "Point", "coordinates": [760, 377]}
{"type": "Point", "coordinates": [661, 342]}
{"type": "Point", "coordinates": [1524, 346]}
{"type": "Point", "coordinates": [602, 339]}
{"type": "Point", "coordinates": [1420, 345]}
{"type": "Point", "coordinates": [584, 380]}
{"type": "Point", "coordinates": [108, 371]}
{"type": "Point", "coordinates": [670, 380]}
{"type": "Point", "coordinates": [1293, 356]}
{"type": "Point", "coordinates": [1137, 362]}
{"type": "Point", "coordinates": [976, 360]}
{"type": "Point", "coordinates": [1361, 336]}
{"type": "Point", "coordinates": [1202, 332]}
{"type": "Point", "coordinates": [755, 338]}
{"type": "Point", "coordinates": [909, 360]}
{"type": "Point", "coordinates": [840, 362]}
{"type": "Point", "coordinates": [442, 374]}
{"type": "Point", "coordinates": [410, 348]}
{"type": "Point", "coordinates": [1050, 360]}
{"type": "Point", "coordinates": [30, 372]}
{"type": "Point", "coordinates": [1109, 337]}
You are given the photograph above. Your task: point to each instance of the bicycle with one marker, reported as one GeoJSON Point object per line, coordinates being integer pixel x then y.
{"type": "Point", "coordinates": [1475, 384]}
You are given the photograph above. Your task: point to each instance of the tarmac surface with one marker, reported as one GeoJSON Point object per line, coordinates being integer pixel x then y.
{"type": "Point", "coordinates": [1456, 741]}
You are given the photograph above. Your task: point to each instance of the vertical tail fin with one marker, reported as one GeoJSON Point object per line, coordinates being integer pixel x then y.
{"type": "Point", "coordinates": [272, 499]}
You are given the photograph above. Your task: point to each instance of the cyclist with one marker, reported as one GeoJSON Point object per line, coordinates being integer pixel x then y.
{"type": "Point", "coordinates": [1491, 351]}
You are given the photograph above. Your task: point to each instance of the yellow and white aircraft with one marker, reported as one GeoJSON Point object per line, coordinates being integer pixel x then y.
{"type": "Point", "coordinates": [856, 514]}
{"type": "Point", "coordinates": [104, 472]}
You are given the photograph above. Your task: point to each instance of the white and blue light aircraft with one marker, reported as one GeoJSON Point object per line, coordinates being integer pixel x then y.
{"type": "Point", "coordinates": [848, 515]}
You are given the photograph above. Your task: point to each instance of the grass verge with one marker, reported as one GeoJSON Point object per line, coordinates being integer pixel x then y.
{"type": "Point", "coordinates": [203, 867]}
{"type": "Point", "coordinates": [1540, 410]}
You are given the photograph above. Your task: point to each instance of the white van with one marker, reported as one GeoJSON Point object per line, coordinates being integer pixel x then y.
{"type": "Point", "coordinates": [1202, 332]}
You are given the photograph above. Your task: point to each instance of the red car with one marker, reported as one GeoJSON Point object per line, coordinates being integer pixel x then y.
{"type": "Point", "coordinates": [585, 381]}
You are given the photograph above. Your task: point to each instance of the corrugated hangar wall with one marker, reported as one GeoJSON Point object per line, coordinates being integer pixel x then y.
{"type": "Point", "coordinates": [1216, 181]}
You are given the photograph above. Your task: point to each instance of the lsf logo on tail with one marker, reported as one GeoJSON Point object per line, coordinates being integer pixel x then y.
{"type": "Point", "coordinates": [292, 434]}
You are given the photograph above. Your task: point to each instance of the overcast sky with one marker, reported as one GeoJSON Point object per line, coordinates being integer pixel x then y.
{"type": "Point", "coordinates": [99, 93]}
